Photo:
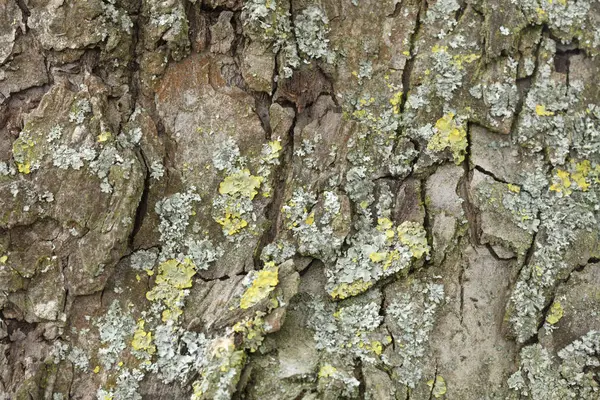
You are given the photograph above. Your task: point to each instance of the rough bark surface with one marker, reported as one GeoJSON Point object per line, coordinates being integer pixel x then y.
{"type": "Point", "coordinates": [299, 199]}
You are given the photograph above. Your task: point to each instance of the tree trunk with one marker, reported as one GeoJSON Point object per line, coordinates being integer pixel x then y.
{"type": "Point", "coordinates": [294, 199]}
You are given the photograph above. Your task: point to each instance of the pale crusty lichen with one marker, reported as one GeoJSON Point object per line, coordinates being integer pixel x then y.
{"type": "Point", "coordinates": [374, 254]}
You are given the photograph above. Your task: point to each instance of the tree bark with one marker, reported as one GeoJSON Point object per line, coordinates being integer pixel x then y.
{"type": "Point", "coordinates": [293, 199]}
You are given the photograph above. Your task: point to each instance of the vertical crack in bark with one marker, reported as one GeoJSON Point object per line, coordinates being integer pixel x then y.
{"type": "Point", "coordinates": [434, 380]}
{"type": "Point", "coordinates": [279, 185]}
{"type": "Point", "coordinates": [427, 224]}
{"type": "Point", "coordinates": [142, 207]}
{"type": "Point", "coordinates": [465, 193]}
{"type": "Point", "coordinates": [24, 10]}
{"type": "Point", "coordinates": [134, 85]}
{"type": "Point", "coordinates": [408, 67]}
{"type": "Point", "coordinates": [360, 376]}
{"type": "Point", "coordinates": [461, 281]}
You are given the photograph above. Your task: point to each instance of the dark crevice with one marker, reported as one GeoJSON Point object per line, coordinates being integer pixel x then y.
{"type": "Point", "coordinates": [359, 374]}
{"type": "Point", "coordinates": [496, 178]}
{"type": "Point", "coordinates": [102, 295]}
{"type": "Point", "coordinates": [308, 267]}
{"type": "Point", "coordinates": [461, 281]}
{"type": "Point", "coordinates": [531, 250]}
{"type": "Point", "coordinates": [408, 67]}
{"type": "Point", "coordinates": [491, 175]}
{"type": "Point", "coordinates": [142, 208]}
{"type": "Point", "coordinates": [24, 10]}
{"type": "Point", "coordinates": [562, 63]}
{"type": "Point", "coordinates": [134, 86]}
{"type": "Point", "coordinates": [465, 193]}
{"type": "Point", "coordinates": [262, 103]}
{"type": "Point", "coordinates": [427, 223]}
{"type": "Point", "coordinates": [390, 333]}
{"type": "Point", "coordinates": [434, 381]}
{"type": "Point", "coordinates": [397, 10]}
{"type": "Point", "coordinates": [279, 176]}
{"type": "Point", "coordinates": [220, 278]}
{"type": "Point", "coordinates": [460, 12]}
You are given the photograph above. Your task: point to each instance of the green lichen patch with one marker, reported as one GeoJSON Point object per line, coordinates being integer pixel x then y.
{"type": "Point", "coordinates": [451, 134]}
{"type": "Point", "coordinates": [555, 314]}
{"type": "Point", "coordinates": [263, 283]}
{"type": "Point", "coordinates": [173, 277]}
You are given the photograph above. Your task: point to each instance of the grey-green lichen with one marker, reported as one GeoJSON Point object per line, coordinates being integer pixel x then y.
{"type": "Point", "coordinates": [570, 376]}
{"type": "Point", "coordinates": [270, 20]}
{"type": "Point", "coordinates": [414, 314]}
{"type": "Point", "coordinates": [375, 254]}
{"type": "Point", "coordinates": [313, 227]}
{"type": "Point", "coordinates": [348, 330]}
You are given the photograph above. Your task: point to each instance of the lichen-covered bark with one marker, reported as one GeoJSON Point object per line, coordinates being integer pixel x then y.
{"type": "Point", "coordinates": [299, 199]}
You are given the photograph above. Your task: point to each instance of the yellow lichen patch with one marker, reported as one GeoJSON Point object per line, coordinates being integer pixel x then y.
{"type": "Point", "coordinates": [252, 330]}
{"type": "Point", "coordinates": [310, 219]}
{"type": "Point", "coordinates": [562, 183]}
{"type": "Point", "coordinates": [385, 225]}
{"type": "Point", "coordinates": [327, 370]}
{"type": "Point", "coordinates": [540, 110]}
{"type": "Point", "coordinates": [105, 396]}
{"type": "Point", "coordinates": [173, 277]}
{"type": "Point", "coordinates": [274, 148]}
{"type": "Point", "coordinates": [438, 386]}
{"type": "Point", "coordinates": [514, 188]}
{"type": "Point", "coordinates": [241, 184]}
{"type": "Point", "coordinates": [451, 134]}
{"type": "Point", "coordinates": [3, 259]}
{"type": "Point", "coordinates": [104, 137]}
{"type": "Point", "coordinates": [437, 48]}
{"type": "Point", "coordinates": [24, 155]}
{"type": "Point", "coordinates": [460, 59]}
{"type": "Point", "coordinates": [375, 346]}
{"type": "Point", "coordinates": [232, 223]}
{"type": "Point", "coordinates": [265, 282]}
{"type": "Point", "coordinates": [97, 369]}
{"type": "Point", "coordinates": [226, 363]}
{"type": "Point", "coordinates": [142, 340]}
{"type": "Point", "coordinates": [413, 235]}
{"type": "Point", "coordinates": [176, 274]}
{"type": "Point", "coordinates": [377, 256]}
{"type": "Point", "coordinates": [555, 314]}
{"type": "Point", "coordinates": [345, 290]}
{"type": "Point", "coordinates": [581, 173]}
{"type": "Point", "coordinates": [395, 101]}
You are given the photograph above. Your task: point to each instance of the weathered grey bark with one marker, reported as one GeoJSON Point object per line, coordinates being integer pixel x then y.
{"type": "Point", "coordinates": [294, 199]}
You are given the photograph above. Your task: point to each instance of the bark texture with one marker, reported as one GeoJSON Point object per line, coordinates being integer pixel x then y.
{"type": "Point", "coordinates": [299, 199]}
